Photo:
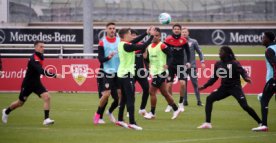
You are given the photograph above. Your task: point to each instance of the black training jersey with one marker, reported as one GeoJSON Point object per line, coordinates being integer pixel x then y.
{"type": "Point", "coordinates": [34, 69]}
{"type": "Point", "coordinates": [178, 46]}
{"type": "Point", "coordinates": [229, 72]}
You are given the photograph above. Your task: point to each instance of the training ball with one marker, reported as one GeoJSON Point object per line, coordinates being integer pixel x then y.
{"type": "Point", "coordinates": [165, 18]}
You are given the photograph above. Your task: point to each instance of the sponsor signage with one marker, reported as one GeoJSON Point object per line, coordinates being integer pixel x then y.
{"type": "Point", "coordinates": [75, 36]}
{"type": "Point", "coordinates": [80, 75]}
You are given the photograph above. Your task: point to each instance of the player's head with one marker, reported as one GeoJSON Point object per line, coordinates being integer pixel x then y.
{"type": "Point", "coordinates": [157, 35]}
{"type": "Point", "coordinates": [110, 29]}
{"type": "Point", "coordinates": [185, 32]}
{"type": "Point", "coordinates": [125, 34]}
{"type": "Point", "coordinates": [176, 29]}
{"type": "Point", "coordinates": [226, 54]}
{"type": "Point", "coordinates": [268, 37]}
{"type": "Point", "coordinates": [39, 46]}
{"type": "Point", "coordinates": [134, 33]}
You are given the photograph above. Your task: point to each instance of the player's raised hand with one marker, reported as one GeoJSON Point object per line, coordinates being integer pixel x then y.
{"type": "Point", "coordinates": [152, 31]}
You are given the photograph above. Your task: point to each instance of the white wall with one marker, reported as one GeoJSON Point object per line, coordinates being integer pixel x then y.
{"type": "Point", "coordinates": [3, 11]}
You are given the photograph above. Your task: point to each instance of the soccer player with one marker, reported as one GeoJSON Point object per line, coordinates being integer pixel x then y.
{"type": "Point", "coordinates": [160, 58]}
{"type": "Point", "coordinates": [229, 70]}
{"type": "Point", "coordinates": [178, 44]}
{"type": "Point", "coordinates": [32, 83]}
{"type": "Point", "coordinates": [193, 44]}
{"type": "Point", "coordinates": [141, 74]}
{"type": "Point", "coordinates": [126, 71]}
{"type": "Point", "coordinates": [270, 86]}
{"type": "Point", "coordinates": [107, 78]}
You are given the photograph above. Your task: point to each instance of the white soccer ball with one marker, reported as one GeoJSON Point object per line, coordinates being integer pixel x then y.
{"type": "Point", "coordinates": [165, 18]}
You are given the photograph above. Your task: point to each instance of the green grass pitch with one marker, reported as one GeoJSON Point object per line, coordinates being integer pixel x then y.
{"type": "Point", "coordinates": [73, 119]}
{"type": "Point", "coordinates": [73, 122]}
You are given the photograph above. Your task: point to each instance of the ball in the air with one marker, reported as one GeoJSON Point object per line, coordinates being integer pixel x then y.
{"type": "Point", "coordinates": [165, 18]}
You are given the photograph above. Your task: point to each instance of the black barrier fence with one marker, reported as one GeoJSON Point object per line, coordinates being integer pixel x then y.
{"type": "Point", "coordinates": [75, 36]}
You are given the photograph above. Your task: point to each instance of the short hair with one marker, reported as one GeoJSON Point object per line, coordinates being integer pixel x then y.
{"type": "Point", "coordinates": [229, 53]}
{"type": "Point", "coordinates": [123, 31]}
{"type": "Point", "coordinates": [110, 23]}
{"type": "Point", "coordinates": [183, 28]}
{"type": "Point", "coordinates": [37, 42]}
{"type": "Point", "coordinates": [270, 36]}
{"type": "Point", "coordinates": [176, 25]}
{"type": "Point", "coordinates": [132, 31]}
{"type": "Point", "coordinates": [158, 29]}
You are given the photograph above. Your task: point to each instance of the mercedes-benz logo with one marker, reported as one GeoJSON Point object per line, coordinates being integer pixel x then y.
{"type": "Point", "coordinates": [218, 37]}
{"type": "Point", "coordinates": [2, 36]}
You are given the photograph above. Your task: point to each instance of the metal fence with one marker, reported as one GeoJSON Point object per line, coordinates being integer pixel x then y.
{"type": "Point", "coordinates": [21, 11]}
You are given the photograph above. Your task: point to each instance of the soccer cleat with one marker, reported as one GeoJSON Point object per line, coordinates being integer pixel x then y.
{"type": "Point", "coordinates": [122, 124]}
{"type": "Point", "coordinates": [142, 112]}
{"type": "Point", "coordinates": [96, 118]}
{"type": "Point", "coordinates": [101, 121]}
{"type": "Point", "coordinates": [205, 126]}
{"type": "Point", "coordinates": [149, 116]}
{"type": "Point", "coordinates": [135, 127]}
{"type": "Point", "coordinates": [260, 129]}
{"type": "Point", "coordinates": [199, 103]}
{"type": "Point", "coordinates": [168, 109]}
{"type": "Point", "coordinates": [185, 103]}
{"type": "Point", "coordinates": [4, 116]}
{"type": "Point", "coordinates": [175, 114]}
{"type": "Point", "coordinates": [181, 107]}
{"type": "Point", "coordinates": [48, 121]}
{"type": "Point", "coordinates": [111, 117]}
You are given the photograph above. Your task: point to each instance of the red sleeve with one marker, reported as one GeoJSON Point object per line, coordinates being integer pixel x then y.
{"type": "Point", "coordinates": [167, 40]}
{"type": "Point", "coordinates": [163, 46]}
{"type": "Point", "coordinates": [101, 43]}
{"type": "Point", "coordinates": [184, 40]}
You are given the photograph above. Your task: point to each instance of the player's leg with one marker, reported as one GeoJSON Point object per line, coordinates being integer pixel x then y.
{"type": "Point", "coordinates": [170, 100]}
{"type": "Point", "coordinates": [143, 81]}
{"type": "Point", "coordinates": [169, 84]}
{"type": "Point", "coordinates": [115, 102]}
{"type": "Point", "coordinates": [24, 93]}
{"type": "Point", "coordinates": [240, 97]}
{"type": "Point", "coordinates": [100, 89]}
{"type": "Point", "coordinates": [120, 121]}
{"type": "Point", "coordinates": [268, 92]}
{"type": "Point", "coordinates": [220, 94]}
{"type": "Point", "coordinates": [153, 99]}
{"type": "Point", "coordinates": [185, 102]}
{"type": "Point", "coordinates": [193, 77]}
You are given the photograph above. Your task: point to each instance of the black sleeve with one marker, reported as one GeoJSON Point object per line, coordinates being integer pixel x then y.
{"type": "Point", "coordinates": [101, 56]}
{"type": "Point", "coordinates": [270, 56]}
{"type": "Point", "coordinates": [146, 61]}
{"type": "Point", "coordinates": [213, 78]}
{"type": "Point", "coordinates": [36, 65]}
{"type": "Point", "coordinates": [238, 67]}
{"type": "Point", "coordinates": [168, 52]}
{"type": "Point", "coordinates": [134, 47]}
{"type": "Point", "coordinates": [188, 53]}
{"type": "Point", "coordinates": [138, 39]}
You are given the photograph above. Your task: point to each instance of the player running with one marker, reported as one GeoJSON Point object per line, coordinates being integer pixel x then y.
{"type": "Point", "coordinates": [107, 79]}
{"type": "Point", "coordinates": [32, 83]}
{"type": "Point", "coordinates": [126, 72]}
{"type": "Point", "coordinates": [270, 86]}
{"type": "Point", "coordinates": [160, 58]}
{"type": "Point", "coordinates": [229, 70]}
{"type": "Point", "coordinates": [178, 44]}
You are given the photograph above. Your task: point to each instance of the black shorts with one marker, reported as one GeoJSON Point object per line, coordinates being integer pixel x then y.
{"type": "Point", "coordinates": [28, 88]}
{"type": "Point", "coordinates": [108, 81]}
{"type": "Point", "coordinates": [157, 80]}
{"type": "Point", "coordinates": [181, 74]}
